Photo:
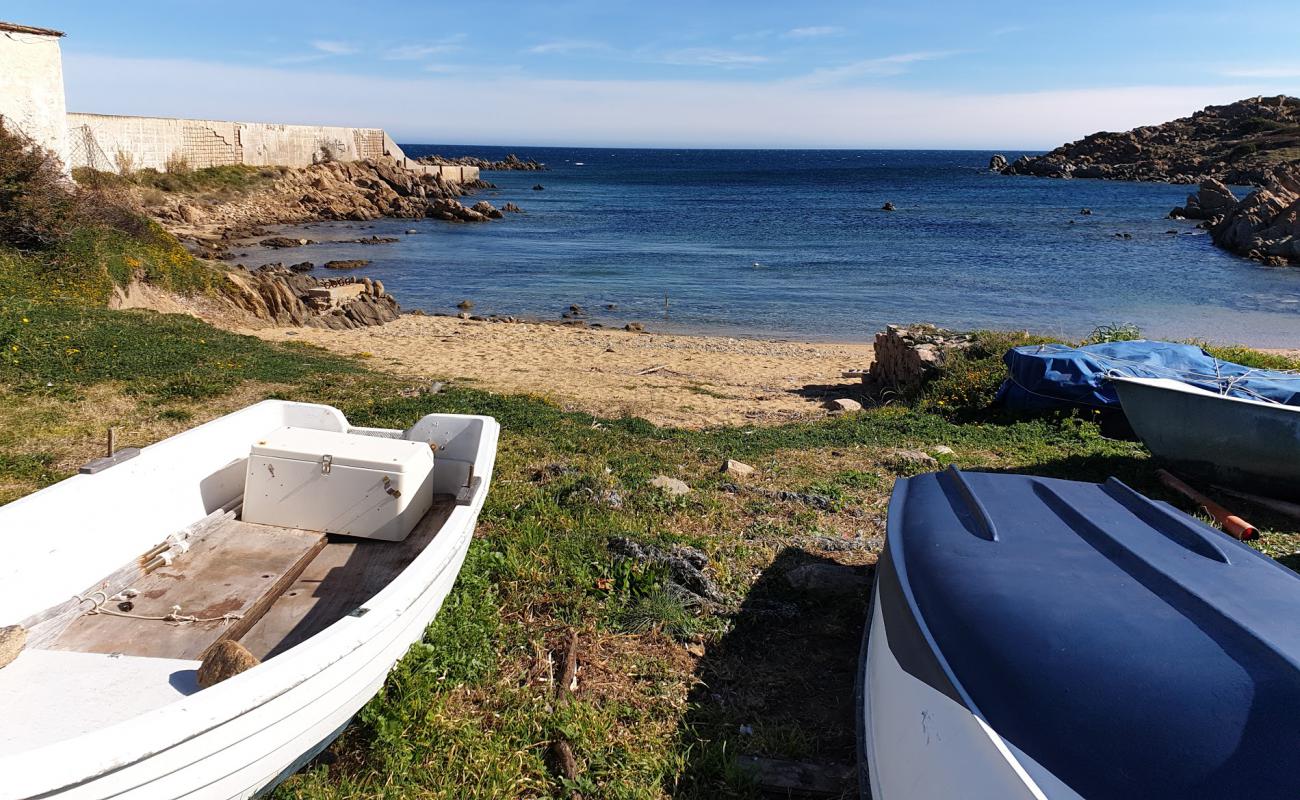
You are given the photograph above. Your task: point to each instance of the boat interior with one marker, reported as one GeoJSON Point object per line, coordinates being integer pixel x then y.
{"type": "Point", "coordinates": [133, 639]}
{"type": "Point", "coordinates": [264, 586]}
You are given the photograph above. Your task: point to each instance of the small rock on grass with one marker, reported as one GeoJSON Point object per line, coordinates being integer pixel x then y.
{"type": "Point", "coordinates": [734, 467]}
{"type": "Point", "coordinates": [843, 404]}
{"type": "Point", "coordinates": [12, 639]}
{"type": "Point", "coordinates": [671, 486]}
{"type": "Point", "coordinates": [942, 450]}
{"type": "Point", "coordinates": [912, 458]}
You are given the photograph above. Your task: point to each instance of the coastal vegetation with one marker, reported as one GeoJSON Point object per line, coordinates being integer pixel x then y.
{"type": "Point", "coordinates": [675, 681]}
{"type": "Point", "coordinates": [207, 184]}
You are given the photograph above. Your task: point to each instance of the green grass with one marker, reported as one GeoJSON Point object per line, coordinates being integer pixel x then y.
{"type": "Point", "coordinates": [669, 694]}
{"type": "Point", "coordinates": [84, 267]}
{"type": "Point", "coordinates": [229, 179]}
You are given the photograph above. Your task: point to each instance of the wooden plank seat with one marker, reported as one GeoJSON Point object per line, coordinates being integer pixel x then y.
{"type": "Point", "coordinates": [346, 574]}
{"type": "Point", "coordinates": [227, 580]}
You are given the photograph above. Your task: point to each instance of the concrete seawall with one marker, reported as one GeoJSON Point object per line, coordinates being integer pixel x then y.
{"type": "Point", "coordinates": [108, 142]}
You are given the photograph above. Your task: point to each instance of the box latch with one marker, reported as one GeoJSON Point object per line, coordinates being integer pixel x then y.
{"type": "Point", "coordinates": [326, 464]}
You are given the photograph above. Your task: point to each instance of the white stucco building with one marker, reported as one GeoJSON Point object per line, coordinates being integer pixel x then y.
{"type": "Point", "coordinates": [31, 86]}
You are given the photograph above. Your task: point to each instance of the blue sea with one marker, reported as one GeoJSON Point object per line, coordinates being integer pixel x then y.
{"type": "Point", "coordinates": [793, 243]}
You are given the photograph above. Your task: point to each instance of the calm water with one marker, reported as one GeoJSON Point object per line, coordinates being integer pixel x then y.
{"type": "Point", "coordinates": [792, 243]}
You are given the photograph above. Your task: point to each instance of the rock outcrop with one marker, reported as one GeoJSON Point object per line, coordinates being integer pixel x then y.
{"type": "Point", "coordinates": [455, 211]}
{"type": "Point", "coordinates": [279, 295]}
{"type": "Point", "coordinates": [1211, 201]}
{"type": "Point", "coordinates": [335, 190]}
{"type": "Point", "coordinates": [997, 163]}
{"type": "Point", "coordinates": [1265, 225]}
{"type": "Point", "coordinates": [1238, 143]}
{"type": "Point", "coordinates": [906, 357]}
{"type": "Point", "coordinates": [510, 162]}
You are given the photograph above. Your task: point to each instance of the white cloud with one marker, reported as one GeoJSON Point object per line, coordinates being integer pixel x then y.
{"type": "Point", "coordinates": [416, 52]}
{"type": "Point", "coordinates": [1007, 29]}
{"type": "Point", "coordinates": [814, 31]}
{"type": "Point", "coordinates": [711, 57]}
{"type": "Point", "coordinates": [334, 48]}
{"type": "Point", "coordinates": [566, 46]}
{"type": "Point", "coordinates": [883, 66]}
{"type": "Point", "coordinates": [712, 113]}
{"type": "Point", "coordinates": [1266, 71]}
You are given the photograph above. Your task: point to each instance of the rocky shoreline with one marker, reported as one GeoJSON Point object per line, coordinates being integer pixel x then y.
{"type": "Point", "coordinates": [511, 162]}
{"type": "Point", "coordinates": [335, 190]}
{"type": "Point", "coordinates": [1238, 144]}
{"type": "Point", "coordinates": [1264, 225]}
{"type": "Point", "coordinates": [329, 191]}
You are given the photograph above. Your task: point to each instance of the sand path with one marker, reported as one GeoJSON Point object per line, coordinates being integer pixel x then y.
{"type": "Point", "coordinates": [669, 379]}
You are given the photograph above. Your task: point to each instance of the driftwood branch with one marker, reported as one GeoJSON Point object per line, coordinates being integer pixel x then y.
{"type": "Point", "coordinates": [560, 752]}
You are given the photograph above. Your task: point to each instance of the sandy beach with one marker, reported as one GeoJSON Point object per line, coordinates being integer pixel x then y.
{"type": "Point", "coordinates": [669, 379]}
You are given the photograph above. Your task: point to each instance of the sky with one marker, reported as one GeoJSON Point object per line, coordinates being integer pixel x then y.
{"type": "Point", "coordinates": [927, 74]}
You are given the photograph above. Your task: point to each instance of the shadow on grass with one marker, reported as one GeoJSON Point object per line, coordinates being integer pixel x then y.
{"type": "Point", "coordinates": [1138, 472]}
{"type": "Point", "coordinates": [828, 391]}
{"type": "Point", "coordinates": [780, 684]}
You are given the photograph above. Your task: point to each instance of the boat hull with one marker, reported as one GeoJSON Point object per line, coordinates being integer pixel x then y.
{"type": "Point", "coordinates": [1044, 638]}
{"type": "Point", "coordinates": [916, 742]}
{"type": "Point", "coordinates": [1247, 444]}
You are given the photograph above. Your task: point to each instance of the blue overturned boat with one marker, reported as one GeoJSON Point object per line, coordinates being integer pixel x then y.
{"type": "Point", "coordinates": [1040, 638]}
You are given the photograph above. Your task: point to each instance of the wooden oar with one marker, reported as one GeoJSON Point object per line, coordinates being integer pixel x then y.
{"type": "Point", "coordinates": [1279, 506]}
{"type": "Point", "coordinates": [1233, 525]}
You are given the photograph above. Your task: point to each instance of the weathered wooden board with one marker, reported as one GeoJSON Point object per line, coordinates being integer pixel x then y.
{"type": "Point", "coordinates": [237, 569]}
{"type": "Point", "coordinates": [49, 624]}
{"type": "Point", "coordinates": [346, 574]}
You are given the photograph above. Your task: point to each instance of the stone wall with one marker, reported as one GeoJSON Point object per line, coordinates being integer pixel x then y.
{"type": "Point", "coordinates": [31, 86]}
{"type": "Point", "coordinates": [906, 357]}
{"type": "Point", "coordinates": [105, 141]}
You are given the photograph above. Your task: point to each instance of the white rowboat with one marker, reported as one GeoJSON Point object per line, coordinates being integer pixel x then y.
{"type": "Point", "coordinates": [99, 706]}
{"type": "Point", "coordinates": [1250, 444]}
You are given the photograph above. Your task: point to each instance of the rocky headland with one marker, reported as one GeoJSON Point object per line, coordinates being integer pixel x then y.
{"type": "Point", "coordinates": [1238, 144]}
{"type": "Point", "coordinates": [335, 190]}
{"type": "Point", "coordinates": [510, 162]}
{"type": "Point", "coordinates": [1264, 225]}
{"type": "Point", "coordinates": [211, 225]}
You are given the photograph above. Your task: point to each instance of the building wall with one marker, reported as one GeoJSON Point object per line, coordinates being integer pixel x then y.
{"type": "Point", "coordinates": [106, 142]}
{"type": "Point", "coordinates": [96, 140]}
{"type": "Point", "coordinates": [31, 89]}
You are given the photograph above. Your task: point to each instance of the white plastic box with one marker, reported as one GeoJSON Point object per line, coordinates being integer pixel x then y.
{"type": "Point", "coordinates": [350, 484]}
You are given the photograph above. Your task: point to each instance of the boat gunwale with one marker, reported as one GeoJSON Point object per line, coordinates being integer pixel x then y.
{"type": "Point", "coordinates": [144, 736]}
{"type": "Point", "coordinates": [1171, 385]}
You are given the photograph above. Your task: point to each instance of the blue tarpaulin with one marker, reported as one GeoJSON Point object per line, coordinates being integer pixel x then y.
{"type": "Point", "coordinates": [1059, 376]}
